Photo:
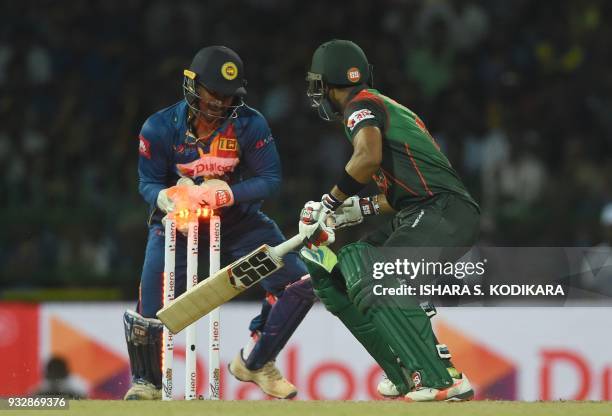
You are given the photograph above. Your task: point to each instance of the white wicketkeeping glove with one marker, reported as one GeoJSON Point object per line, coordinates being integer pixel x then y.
{"type": "Point", "coordinates": [216, 193]}
{"type": "Point", "coordinates": [164, 202]}
{"type": "Point", "coordinates": [167, 205]}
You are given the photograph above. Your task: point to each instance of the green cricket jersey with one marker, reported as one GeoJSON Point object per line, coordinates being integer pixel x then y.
{"type": "Point", "coordinates": [413, 168]}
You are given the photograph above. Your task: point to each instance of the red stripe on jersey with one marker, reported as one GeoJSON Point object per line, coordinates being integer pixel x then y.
{"type": "Point", "coordinates": [421, 126]}
{"type": "Point", "coordinates": [418, 171]}
{"type": "Point", "coordinates": [400, 183]}
{"type": "Point", "coordinates": [365, 95]}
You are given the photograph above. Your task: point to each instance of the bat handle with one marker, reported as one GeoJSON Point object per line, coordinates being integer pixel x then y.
{"type": "Point", "coordinates": [289, 245]}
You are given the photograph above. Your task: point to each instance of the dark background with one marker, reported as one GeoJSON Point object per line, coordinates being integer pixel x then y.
{"type": "Point", "coordinates": [518, 93]}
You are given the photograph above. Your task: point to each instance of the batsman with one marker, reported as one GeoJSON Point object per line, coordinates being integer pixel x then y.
{"type": "Point", "coordinates": [430, 207]}
{"type": "Point", "coordinates": [214, 142]}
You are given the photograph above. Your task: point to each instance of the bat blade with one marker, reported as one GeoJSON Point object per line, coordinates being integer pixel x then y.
{"type": "Point", "coordinates": [219, 288]}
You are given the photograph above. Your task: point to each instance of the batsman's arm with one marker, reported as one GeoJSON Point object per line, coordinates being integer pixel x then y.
{"type": "Point", "coordinates": [383, 204]}
{"type": "Point", "coordinates": [367, 154]}
{"type": "Point", "coordinates": [365, 161]}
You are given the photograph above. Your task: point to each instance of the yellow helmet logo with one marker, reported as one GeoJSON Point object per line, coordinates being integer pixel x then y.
{"type": "Point", "coordinates": [229, 70]}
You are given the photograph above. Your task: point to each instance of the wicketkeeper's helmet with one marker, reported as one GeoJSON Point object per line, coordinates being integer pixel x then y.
{"type": "Point", "coordinates": [219, 69]}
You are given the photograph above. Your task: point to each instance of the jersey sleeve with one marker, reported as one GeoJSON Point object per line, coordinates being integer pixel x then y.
{"type": "Point", "coordinates": [261, 158]}
{"type": "Point", "coordinates": [363, 112]}
{"type": "Point", "coordinates": [154, 159]}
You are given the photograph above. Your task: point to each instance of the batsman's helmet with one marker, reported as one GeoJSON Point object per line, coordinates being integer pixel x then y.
{"type": "Point", "coordinates": [219, 69]}
{"type": "Point", "coordinates": [337, 63]}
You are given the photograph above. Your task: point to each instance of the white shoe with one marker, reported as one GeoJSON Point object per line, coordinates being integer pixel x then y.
{"type": "Point", "coordinates": [268, 378]}
{"type": "Point", "coordinates": [386, 388]}
{"type": "Point", "coordinates": [461, 390]}
{"type": "Point", "coordinates": [142, 390]}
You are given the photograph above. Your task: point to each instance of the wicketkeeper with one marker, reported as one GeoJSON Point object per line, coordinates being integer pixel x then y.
{"type": "Point", "coordinates": [430, 208]}
{"type": "Point", "coordinates": [214, 141]}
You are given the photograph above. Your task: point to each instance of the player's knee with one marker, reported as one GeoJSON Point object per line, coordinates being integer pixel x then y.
{"type": "Point", "coordinates": [331, 294]}
{"type": "Point", "coordinates": [356, 263]}
{"type": "Point", "coordinates": [301, 289]}
{"type": "Point", "coordinates": [141, 330]}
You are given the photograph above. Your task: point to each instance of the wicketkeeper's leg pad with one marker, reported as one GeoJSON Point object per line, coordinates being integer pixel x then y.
{"type": "Point", "coordinates": [402, 323]}
{"type": "Point", "coordinates": [329, 287]}
{"type": "Point", "coordinates": [144, 342]}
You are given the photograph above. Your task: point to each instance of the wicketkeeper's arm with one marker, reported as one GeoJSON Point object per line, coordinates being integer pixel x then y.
{"type": "Point", "coordinates": [153, 168]}
{"type": "Point", "coordinates": [261, 158]}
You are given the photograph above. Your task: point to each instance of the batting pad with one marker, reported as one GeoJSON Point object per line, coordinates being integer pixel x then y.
{"type": "Point", "coordinates": [405, 327]}
{"type": "Point", "coordinates": [328, 285]}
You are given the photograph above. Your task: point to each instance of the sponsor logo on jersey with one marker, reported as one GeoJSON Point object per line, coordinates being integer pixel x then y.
{"type": "Point", "coordinates": [353, 74]}
{"type": "Point", "coordinates": [225, 144]}
{"type": "Point", "coordinates": [208, 167]}
{"type": "Point", "coordinates": [381, 181]}
{"type": "Point", "coordinates": [217, 159]}
{"type": "Point", "coordinates": [229, 70]}
{"type": "Point", "coordinates": [262, 142]}
{"type": "Point", "coordinates": [144, 147]}
{"type": "Point", "coordinates": [228, 143]}
{"type": "Point", "coordinates": [357, 117]}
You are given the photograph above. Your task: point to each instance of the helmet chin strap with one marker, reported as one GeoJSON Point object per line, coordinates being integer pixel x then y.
{"type": "Point", "coordinates": [318, 92]}
{"type": "Point", "coordinates": [211, 121]}
{"type": "Point", "coordinates": [230, 111]}
{"type": "Point", "coordinates": [327, 110]}
{"type": "Point", "coordinates": [193, 101]}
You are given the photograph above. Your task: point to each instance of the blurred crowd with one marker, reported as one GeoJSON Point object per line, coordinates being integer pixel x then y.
{"type": "Point", "coordinates": [518, 93]}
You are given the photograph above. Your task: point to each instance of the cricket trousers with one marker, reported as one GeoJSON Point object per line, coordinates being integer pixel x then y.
{"type": "Point", "coordinates": [445, 220]}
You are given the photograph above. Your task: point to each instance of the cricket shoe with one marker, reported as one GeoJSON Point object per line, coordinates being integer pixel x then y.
{"type": "Point", "coordinates": [142, 390]}
{"type": "Point", "coordinates": [386, 388]}
{"type": "Point", "coordinates": [268, 378]}
{"type": "Point", "coordinates": [461, 390]}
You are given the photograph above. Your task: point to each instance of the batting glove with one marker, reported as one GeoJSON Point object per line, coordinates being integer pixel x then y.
{"type": "Point", "coordinates": [330, 202]}
{"type": "Point", "coordinates": [313, 227]}
{"type": "Point", "coordinates": [352, 211]}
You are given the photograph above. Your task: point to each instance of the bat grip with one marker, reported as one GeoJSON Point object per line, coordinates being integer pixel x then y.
{"type": "Point", "coordinates": [289, 245]}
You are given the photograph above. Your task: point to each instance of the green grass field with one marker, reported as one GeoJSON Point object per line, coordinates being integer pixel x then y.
{"type": "Point", "coordinates": [324, 408]}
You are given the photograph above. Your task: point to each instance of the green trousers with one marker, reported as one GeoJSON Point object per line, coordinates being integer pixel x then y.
{"type": "Point", "coordinates": [446, 220]}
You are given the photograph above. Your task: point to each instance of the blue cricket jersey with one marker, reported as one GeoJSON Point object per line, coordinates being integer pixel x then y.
{"type": "Point", "coordinates": [241, 151]}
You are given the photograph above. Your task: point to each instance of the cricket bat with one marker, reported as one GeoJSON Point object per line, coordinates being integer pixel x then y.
{"type": "Point", "coordinates": [225, 285]}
